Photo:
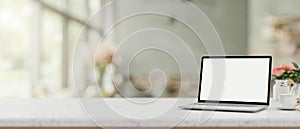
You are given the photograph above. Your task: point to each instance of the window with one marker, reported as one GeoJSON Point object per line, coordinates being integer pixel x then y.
{"type": "Point", "coordinates": [15, 43]}
{"type": "Point", "coordinates": [37, 39]}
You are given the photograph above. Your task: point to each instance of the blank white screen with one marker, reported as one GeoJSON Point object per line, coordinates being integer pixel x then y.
{"type": "Point", "coordinates": [245, 80]}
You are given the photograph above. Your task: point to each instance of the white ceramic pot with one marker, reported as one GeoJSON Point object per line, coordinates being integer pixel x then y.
{"type": "Point", "coordinates": [280, 87]}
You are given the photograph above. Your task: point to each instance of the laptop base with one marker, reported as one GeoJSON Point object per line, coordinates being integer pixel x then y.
{"type": "Point", "coordinates": [227, 108]}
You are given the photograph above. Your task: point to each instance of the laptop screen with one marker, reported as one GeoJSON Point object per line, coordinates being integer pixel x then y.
{"type": "Point", "coordinates": [235, 79]}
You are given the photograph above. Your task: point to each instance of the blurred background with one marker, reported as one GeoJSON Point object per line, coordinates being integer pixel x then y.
{"type": "Point", "coordinates": [38, 39]}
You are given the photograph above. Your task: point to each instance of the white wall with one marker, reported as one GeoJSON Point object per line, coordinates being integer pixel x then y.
{"type": "Point", "coordinates": [228, 16]}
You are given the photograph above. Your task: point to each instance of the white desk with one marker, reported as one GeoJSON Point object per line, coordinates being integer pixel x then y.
{"type": "Point", "coordinates": [69, 113]}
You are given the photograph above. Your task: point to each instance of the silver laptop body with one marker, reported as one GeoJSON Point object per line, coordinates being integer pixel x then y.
{"type": "Point", "coordinates": [233, 83]}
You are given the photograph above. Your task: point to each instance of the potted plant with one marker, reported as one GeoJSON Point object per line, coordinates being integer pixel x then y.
{"type": "Point", "coordinates": [281, 75]}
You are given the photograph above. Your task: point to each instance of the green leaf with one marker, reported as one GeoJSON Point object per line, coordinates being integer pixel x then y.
{"type": "Point", "coordinates": [295, 65]}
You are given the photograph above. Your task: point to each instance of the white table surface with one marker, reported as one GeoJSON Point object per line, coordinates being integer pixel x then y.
{"type": "Point", "coordinates": [139, 112]}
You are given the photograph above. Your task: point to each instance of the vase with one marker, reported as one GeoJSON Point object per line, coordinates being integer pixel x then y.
{"type": "Point", "coordinates": [109, 81]}
{"type": "Point", "coordinates": [106, 81]}
{"type": "Point", "coordinates": [280, 87]}
{"type": "Point", "coordinates": [296, 89]}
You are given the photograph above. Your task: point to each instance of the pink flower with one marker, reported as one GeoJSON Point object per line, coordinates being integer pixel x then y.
{"type": "Point", "coordinates": [106, 53]}
{"type": "Point", "coordinates": [277, 71]}
{"type": "Point", "coordinates": [288, 67]}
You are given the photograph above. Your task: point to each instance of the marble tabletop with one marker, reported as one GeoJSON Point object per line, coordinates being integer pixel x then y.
{"type": "Point", "coordinates": [134, 112]}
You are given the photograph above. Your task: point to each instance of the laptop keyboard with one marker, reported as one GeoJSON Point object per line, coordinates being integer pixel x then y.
{"type": "Point", "coordinates": [228, 105]}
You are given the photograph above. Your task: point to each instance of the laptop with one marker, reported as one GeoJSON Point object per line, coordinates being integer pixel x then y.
{"type": "Point", "coordinates": [233, 83]}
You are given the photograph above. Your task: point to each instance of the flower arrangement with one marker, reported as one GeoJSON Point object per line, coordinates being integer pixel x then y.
{"type": "Point", "coordinates": [287, 72]}
{"type": "Point", "coordinates": [284, 31]}
{"type": "Point", "coordinates": [104, 64]}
